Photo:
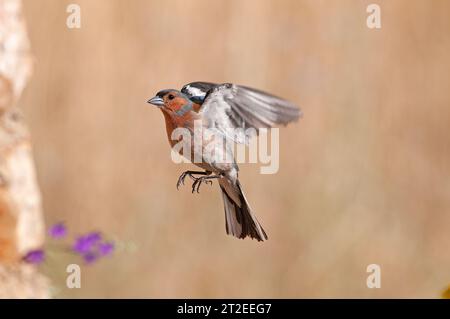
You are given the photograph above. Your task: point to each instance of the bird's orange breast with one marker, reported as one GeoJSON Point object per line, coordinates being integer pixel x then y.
{"type": "Point", "coordinates": [173, 122]}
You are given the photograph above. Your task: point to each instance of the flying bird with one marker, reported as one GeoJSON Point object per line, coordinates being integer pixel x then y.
{"type": "Point", "coordinates": [229, 110]}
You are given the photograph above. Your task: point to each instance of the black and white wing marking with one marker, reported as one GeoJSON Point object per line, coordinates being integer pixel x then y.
{"type": "Point", "coordinates": [196, 91]}
{"type": "Point", "coordinates": [229, 106]}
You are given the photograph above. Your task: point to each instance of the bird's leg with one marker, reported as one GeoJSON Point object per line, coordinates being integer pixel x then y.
{"type": "Point", "coordinates": [205, 179]}
{"type": "Point", "coordinates": [190, 174]}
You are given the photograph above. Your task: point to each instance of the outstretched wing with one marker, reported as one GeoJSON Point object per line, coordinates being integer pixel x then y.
{"type": "Point", "coordinates": [233, 109]}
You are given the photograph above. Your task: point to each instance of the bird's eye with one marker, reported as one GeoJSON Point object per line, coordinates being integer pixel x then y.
{"type": "Point", "coordinates": [171, 96]}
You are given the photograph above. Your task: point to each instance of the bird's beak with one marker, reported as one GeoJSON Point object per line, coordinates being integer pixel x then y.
{"type": "Point", "coordinates": [156, 101]}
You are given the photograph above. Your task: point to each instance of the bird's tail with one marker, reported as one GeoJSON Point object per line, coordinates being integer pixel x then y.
{"type": "Point", "coordinates": [239, 219]}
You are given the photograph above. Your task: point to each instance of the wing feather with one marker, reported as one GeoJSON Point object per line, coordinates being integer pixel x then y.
{"type": "Point", "coordinates": [229, 106]}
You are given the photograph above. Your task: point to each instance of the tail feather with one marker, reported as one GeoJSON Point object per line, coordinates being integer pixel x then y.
{"type": "Point", "coordinates": [239, 219]}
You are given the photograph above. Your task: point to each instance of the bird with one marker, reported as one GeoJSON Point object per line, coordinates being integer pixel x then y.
{"type": "Point", "coordinates": [221, 107]}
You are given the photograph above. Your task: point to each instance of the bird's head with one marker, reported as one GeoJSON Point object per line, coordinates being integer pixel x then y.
{"type": "Point", "coordinates": [172, 101]}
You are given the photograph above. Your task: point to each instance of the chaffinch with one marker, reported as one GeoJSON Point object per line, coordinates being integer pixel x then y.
{"type": "Point", "coordinates": [221, 107]}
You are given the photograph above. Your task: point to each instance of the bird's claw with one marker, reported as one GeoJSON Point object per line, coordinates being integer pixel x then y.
{"type": "Point", "coordinates": [183, 177]}
{"type": "Point", "coordinates": [198, 181]}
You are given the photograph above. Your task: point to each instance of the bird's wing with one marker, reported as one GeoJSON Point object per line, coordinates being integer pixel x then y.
{"type": "Point", "coordinates": [196, 91]}
{"type": "Point", "coordinates": [233, 109]}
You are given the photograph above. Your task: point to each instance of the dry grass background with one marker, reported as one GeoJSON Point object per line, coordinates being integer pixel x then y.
{"type": "Point", "coordinates": [364, 177]}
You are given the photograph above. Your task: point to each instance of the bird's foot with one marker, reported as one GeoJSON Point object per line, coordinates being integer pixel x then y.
{"type": "Point", "coordinates": [204, 179]}
{"type": "Point", "coordinates": [191, 175]}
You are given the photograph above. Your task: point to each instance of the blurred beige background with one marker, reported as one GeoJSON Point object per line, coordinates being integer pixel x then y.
{"type": "Point", "coordinates": [364, 177]}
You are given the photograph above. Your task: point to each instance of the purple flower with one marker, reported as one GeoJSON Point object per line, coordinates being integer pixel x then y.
{"type": "Point", "coordinates": [90, 257]}
{"type": "Point", "coordinates": [34, 256]}
{"type": "Point", "coordinates": [84, 244]}
{"type": "Point", "coordinates": [58, 231]}
{"type": "Point", "coordinates": [93, 238]}
{"type": "Point", "coordinates": [105, 248]}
